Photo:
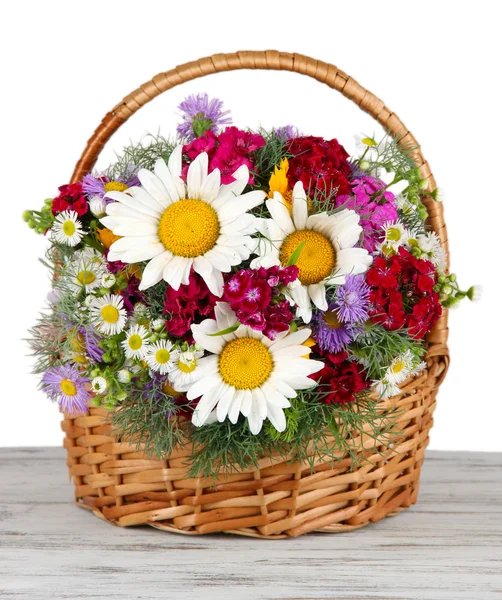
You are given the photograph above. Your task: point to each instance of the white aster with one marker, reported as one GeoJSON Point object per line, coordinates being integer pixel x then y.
{"type": "Point", "coordinates": [328, 252]}
{"type": "Point", "coordinates": [85, 270]}
{"type": "Point", "coordinates": [99, 385]}
{"type": "Point", "coordinates": [67, 229]}
{"type": "Point", "coordinates": [136, 343]}
{"type": "Point", "coordinates": [430, 244]}
{"type": "Point", "coordinates": [247, 373]}
{"type": "Point", "coordinates": [185, 370]}
{"type": "Point", "coordinates": [176, 226]}
{"type": "Point", "coordinates": [401, 368]}
{"type": "Point", "coordinates": [108, 314]}
{"type": "Point", "coordinates": [161, 356]}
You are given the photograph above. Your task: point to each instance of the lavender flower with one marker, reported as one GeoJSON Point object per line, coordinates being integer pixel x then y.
{"type": "Point", "coordinates": [287, 132]}
{"type": "Point", "coordinates": [352, 299]}
{"type": "Point", "coordinates": [67, 387]}
{"type": "Point", "coordinates": [91, 340]}
{"type": "Point", "coordinates": [201, 115]}
{"type": "Point", "coordinates": [329, 332]}
{"type": "Point", "coordinates": [99, 185]}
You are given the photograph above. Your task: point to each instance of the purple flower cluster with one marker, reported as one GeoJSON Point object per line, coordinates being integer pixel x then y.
{"type": "Point", "coordinates": [201, 115]}
{"type": "Point", "coordinates": [96, 185]}
{"type": "Point", "coordinates": [335, 328]}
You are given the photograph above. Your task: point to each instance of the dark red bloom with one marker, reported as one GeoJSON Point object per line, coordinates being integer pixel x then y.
{"type": "Point", "coordinates": [71, 197]}
{"type": "Point", "coordinates": [255, 296]}
{"type": "Point", "coordinates": [189, 304]}
{"type": "Point", "coordinates": [320, 164]}
{"type": "Point", "coordinates": [339, 380]}
{"type": "Point", "coordinates": [402, 293]}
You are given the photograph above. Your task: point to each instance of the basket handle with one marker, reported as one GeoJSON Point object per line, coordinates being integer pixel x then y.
{"type": "Point", "coordinates": [266, 60]}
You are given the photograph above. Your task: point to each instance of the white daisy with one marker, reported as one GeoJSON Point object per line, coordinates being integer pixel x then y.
{"type": "Point", "coordinates": [86, 270]}
{"type": "Point", "coordinates": [327, 254]}
{"type": "Point", "coordinates": [248, 373]}
{"type": "Point", "coordinates": [136, 343]}
{"type": "Point", "coordinates": [108, 314]}
{"type": "Point", "coordinates": [185, 371]}
{"type": "Point", "coordinates": [161, 356]}
{"type": "Point", "coordinates": [401, 368]}
{"type": "Point", "coordinates": [430, 244]}
{"type": "Point", "coordinates": [67, 229]}
{"type": "Point", "coordinates": [99, 385]}
{"type": "Point", "coordinates": [108, 280]}
{"type": "Point", "coordinates": [176, 226]}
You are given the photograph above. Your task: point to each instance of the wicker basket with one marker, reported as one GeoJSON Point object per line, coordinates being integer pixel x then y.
{"type": "Point", "coordinates": [280, 498]}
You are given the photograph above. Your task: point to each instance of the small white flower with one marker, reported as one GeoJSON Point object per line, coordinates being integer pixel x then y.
{"type": "Point", "coordinates": [67, 229]}
{"type": "Point", "coordinates": [97, 206]}
{"type": "Point", "coordinates": [404, 205]}
{"type": "Point", "coordinates": [108, 280]}
{"type": "Point", "coordinates": [161, 356]}
{"type": "Point", "coordinates": [89, 300]}
{"type": "Point", "coordinates": [386, 389]}
{"type": "Point", "coordinates": [136, 343]}
{"type": "Point", "coordinates": [475, 293]}
{"type": "Point", "coordinates": [158, 324]}
{"type": "Point", "coordinates": [124, 376]}
{"type": "Point", "coordinates": [85, 270]}
{"type": "Point", "coordinates": [185, 372]}
{"type": "Point", "coordinates": [99, 385]}
{"type": "Point", "coordinates": [108, 314]}
{"type": "Point", "coordinates": [400, 368]}
{"type": "Point", "coordinates": [395, 234]}
{"type": "Point", "coordinates": [53, 296]}
{"type": "Point", "coordinates": [430, 245]}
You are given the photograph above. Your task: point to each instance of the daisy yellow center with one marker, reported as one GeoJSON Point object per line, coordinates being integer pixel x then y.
{"type": "Point", "coordinates": [69, 228]}
{"type": "Point", "coordinates": [135, 341]}
{"type": "Point", "coordinates": [115, 186]}
{"type": "Point", "coordinates": [109, 314]}
{"type": "Point", "coordinates": [184, 368]}
{"type": "Point", "coordinates": [162, 356]}
{"type": "Point", "coordinates": [245, 363]}
{"type": "Point", "coordinates": [86, 277]}
{"type": "Point", "coordinates": [317, 258]}
{"type": "Point", "coordinates": [398, 367]}
{"type": "Point", "coordinates": [189, 228]}
{"type": "Point", "coordinates": [393, 234]}
{"type": "Point", "coordinates": [331, 319]}
{"type": "Point", "coordinates": [68, 387]}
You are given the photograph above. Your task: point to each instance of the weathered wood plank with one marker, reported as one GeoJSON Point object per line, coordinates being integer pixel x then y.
{"type": "Point", "coordinates": [448, 547]}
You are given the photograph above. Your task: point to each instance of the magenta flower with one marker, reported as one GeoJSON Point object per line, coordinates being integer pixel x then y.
{"type": "Point", "coordinates": [68, 388]}
{"type": "Point", "coordinates": [201, 115]}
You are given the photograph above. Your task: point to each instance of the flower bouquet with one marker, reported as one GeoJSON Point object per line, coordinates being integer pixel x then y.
{"type": "Point", "coordinates": [238, 327]}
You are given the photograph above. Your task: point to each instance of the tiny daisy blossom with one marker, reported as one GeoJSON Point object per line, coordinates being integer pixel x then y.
{"type": "Point", "coordinates": [327, 244]}
{"type": "Point", "coordinates": [108, 314]}
{"type": "Point", "coordinates": [99, 385]}
{"type": "Point", "coordinates": [86, 270]}
{"type": "Point", "coordinates": [136, 343]}
{"type": "Point", "coordinates": [247, 373]}
{"type": "Point", "coordinates": [108, 280]}
{"type": "Point", "coordinates": [67, 229]}
{"type": "Point", "coordinates": [401, 368]}
{"type": "Point", "coordinates": [161, 356]}
{"type": "Point", "coordinates": [176, 227]}
{"type": "Point", "coordinates": [68, 387]}
{"type": "Point", "coordinates": [185, 372]}
{"type": "Point", "coordinates": [395, 234]}
{"type": "Point", "coordinates": [386, 389]}
{"type": "Point", "coordinates": [430, 244]}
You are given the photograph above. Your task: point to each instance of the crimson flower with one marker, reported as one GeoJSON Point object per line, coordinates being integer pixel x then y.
{"type": "Point", "coordinates": [71, 197]}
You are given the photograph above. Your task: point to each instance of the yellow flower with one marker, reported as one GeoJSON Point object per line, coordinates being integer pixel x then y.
{"type": "Point", "coordinates": [309, 342]}
{"type": "Point", "coordinates": [107, 237]}
{"type": "Point", "coordinates": [279, 183]}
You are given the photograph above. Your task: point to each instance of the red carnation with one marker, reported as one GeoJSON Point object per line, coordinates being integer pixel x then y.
{"type": "Point", "coordinates": [71, 197]}
{"type": "Point", "coordinates": [320, 164]}
{"type": "Point", "coordinates": [402, 293]}
{"type": "Point", "coordinates": [339, 380]}
{"type": "Point", "coordinates": [189, 304]}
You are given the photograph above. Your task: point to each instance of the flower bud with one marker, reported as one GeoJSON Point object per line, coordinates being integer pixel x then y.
{"type": "Point", "coordinates": [124, 376]}
{"type": "Point", "coordinates": [97, 206]}
{"type": "Point", "coordinates": [27, 214]}
{"type": "Point", "coordinates": [108, 280]}
{"type": "Point", "coordinates": [96, 401]}
{"type": "Point", "coordinates": [364, 165]}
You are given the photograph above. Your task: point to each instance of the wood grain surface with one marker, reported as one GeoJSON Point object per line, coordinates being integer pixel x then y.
{"type": "Point", "coordinates": [448, 546]}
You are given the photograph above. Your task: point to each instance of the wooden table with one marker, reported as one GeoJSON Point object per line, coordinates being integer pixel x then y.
{"type": "Point", "coordinates": [449, 546]}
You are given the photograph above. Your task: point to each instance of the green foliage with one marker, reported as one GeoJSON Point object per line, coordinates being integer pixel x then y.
{"type": "Point", "coordinates": [376, 347]}
{"type": "Point", "coordinates": [143, 154]}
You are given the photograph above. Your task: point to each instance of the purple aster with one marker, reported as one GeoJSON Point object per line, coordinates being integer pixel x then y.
{"type": "Point", "coordinates": [91, 341]}
{"type": "Point", "coordinates": [287, 132]}
{"type": "Point", "coordinates": [331, 334]}
{"type": "Point", "coordinates": [68, 388]}
{"type": "Point", "coordinates": [99, 185]}
{"type": "Point", "coordinates": [352, 299]}
{"type": "Point", "coordinates": [201, 115]}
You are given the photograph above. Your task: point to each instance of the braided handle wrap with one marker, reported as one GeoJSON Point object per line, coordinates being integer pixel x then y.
{"type": "Point", "coordinates": [277, 61]}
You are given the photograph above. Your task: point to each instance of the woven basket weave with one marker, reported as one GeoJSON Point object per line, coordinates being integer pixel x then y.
{"type": "Point", "coordinates": [280, 498]}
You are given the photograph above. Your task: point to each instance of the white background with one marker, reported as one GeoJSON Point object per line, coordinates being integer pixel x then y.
{"type": "Point", "coordinates": [65, 64]}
